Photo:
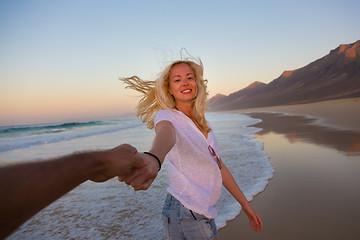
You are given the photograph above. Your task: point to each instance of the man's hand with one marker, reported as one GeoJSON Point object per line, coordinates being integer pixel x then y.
{"type": "Point", "coordinates": [142, 178]}
{"type": "Point", "coordinates": [119, 161]}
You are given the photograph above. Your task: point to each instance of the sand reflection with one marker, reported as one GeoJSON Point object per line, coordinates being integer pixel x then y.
{"type": "Point", "coordinates": [301, 128]}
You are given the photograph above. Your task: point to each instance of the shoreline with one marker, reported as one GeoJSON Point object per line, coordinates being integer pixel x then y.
{"type": "Point", "coordinates": [342, 113]}
{"type": "Point", "coordinates": [315, 151]}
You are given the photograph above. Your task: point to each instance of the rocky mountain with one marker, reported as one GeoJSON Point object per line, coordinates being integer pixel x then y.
{"type": "Point", "coordinates": [335, 76]}
{"type": "Point", "coordinates": [214, 100]}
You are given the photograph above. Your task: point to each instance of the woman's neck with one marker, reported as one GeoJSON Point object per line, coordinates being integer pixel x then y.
{"type": "Point", "coordinates": [187, 109]}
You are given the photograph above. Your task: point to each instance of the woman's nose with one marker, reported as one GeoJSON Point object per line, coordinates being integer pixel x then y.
{"type": "Point", "coordinates": [185, 82]}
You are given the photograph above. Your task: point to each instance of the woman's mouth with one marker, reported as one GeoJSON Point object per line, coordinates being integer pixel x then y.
{"type": "Point", "coordinates": [186, 91]}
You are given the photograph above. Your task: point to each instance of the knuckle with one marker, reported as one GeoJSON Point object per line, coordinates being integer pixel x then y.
{"type": "Point", "coordinates": [131, 149]}
{"type": "Point", "coordinates": [128, 147]}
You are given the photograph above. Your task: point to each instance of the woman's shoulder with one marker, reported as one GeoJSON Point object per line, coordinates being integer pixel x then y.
{"type": "Point", "coordinates": [165, 115]}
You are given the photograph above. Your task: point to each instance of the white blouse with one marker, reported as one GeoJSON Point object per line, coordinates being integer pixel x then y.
{"type": "Point", "coordinates": [195, 178]}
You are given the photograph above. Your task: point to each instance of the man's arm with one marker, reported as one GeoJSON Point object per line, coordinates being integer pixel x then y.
{"type": "Point", "coordinates": [27, 188]}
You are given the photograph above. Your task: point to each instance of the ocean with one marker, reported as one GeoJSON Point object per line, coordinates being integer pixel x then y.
{"type": "Point", "coordinates": [112, 210]}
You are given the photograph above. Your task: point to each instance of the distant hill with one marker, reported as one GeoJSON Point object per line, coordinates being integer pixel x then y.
{"type": "Point", "coordinates": [335, 76]}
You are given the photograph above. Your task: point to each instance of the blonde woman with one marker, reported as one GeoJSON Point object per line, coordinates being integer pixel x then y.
{"type": "Point", "coordinates": [175, 106]}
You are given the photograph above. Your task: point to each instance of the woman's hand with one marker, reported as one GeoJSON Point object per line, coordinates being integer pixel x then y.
{"type": "Point", "coordinates": [254, 218]}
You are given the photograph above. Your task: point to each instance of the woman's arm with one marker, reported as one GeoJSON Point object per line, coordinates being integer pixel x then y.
{"type": "Point", "coordinates": [165, 138]}
{"type": "Point", "coordinates": [233, 188]}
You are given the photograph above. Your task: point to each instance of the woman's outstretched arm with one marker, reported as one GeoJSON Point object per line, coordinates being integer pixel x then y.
{"type": "Point", "coordinates": [164, 140]}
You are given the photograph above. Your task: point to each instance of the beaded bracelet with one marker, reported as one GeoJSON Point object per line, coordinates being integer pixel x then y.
{"type": "Point", "coordinates": [153, 155]}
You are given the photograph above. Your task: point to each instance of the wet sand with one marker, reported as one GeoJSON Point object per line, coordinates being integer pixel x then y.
{"type": "Point", "coordinates": [315, 192]}
{"type": "Point", "coordinates": [342, 113]}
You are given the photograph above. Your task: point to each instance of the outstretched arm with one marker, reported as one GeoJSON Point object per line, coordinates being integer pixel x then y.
{"type": "Point", "coordinates": [165, 138]}
{"type": "Point", "coordinates": [27, 188]}
{"type": "Point", "coordinates": [230, 184]}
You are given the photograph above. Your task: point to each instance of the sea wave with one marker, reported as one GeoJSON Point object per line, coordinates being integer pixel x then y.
{"type": "Point", "coordinates": [11, 130]}
{"type": "Point", "coordinates": [13, 138]}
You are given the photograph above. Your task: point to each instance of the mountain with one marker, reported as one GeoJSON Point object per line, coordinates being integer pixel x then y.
{"type": "Point", "coordinates": [215, 99]}
{"type": "Point", "coordinates": [335, 76]}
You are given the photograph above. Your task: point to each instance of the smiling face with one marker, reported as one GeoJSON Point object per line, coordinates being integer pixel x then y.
{"type": "Point", "coordinates": [182, 83]}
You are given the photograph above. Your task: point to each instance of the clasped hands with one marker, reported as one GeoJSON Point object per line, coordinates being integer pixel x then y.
{"type": "Point", "coordinates": [130, 166]}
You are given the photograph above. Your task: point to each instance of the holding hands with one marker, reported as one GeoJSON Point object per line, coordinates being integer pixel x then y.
{"type": "Point", "coordinates": [136, 169]}
{"type": "Point", "coordinates": [119, 161]}
{"type": "Point", "coordinates": [142, 178]}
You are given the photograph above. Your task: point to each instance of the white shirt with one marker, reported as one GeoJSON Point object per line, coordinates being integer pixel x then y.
{"type": "Point", "coordinates": [195, 178]}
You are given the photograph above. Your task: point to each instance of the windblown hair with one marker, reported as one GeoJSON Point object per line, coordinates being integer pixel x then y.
{"type": "Point", "coordinates": [157, 97]}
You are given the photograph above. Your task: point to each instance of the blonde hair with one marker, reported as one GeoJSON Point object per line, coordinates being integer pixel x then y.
{"type": "Point", "coordinates": [157, 97]}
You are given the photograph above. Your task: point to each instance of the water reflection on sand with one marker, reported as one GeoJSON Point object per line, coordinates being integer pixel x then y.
{"type": "Point", "coordinates": [302, 128]}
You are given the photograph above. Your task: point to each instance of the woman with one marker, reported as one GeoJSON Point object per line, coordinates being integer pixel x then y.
{"type": "Point", "coordinates": [175, 106]}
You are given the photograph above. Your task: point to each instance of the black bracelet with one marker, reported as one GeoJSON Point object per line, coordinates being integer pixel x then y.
{"type": "Point", "coordinates": [148, 153]}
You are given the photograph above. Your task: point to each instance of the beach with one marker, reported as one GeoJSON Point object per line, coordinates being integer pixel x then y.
{"type": "Point", "coordinates": [314, 194]}
{"type": "Point", "coordinates": [302, 170]}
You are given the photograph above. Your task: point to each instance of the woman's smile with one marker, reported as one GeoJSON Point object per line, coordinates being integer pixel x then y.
{"type": "Point", "coordinates": [186, 91]}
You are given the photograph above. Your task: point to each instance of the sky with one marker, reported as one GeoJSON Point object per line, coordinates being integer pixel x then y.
{"type": "Point", "coordinates": [60, 61]}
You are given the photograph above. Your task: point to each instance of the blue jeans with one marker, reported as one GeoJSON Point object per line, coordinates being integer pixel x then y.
{"type": "Point", "coordinates": [182, 223]}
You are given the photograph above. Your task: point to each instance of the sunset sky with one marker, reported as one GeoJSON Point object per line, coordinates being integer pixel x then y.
{"type": "Point", "coordinates": [61, 60]}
